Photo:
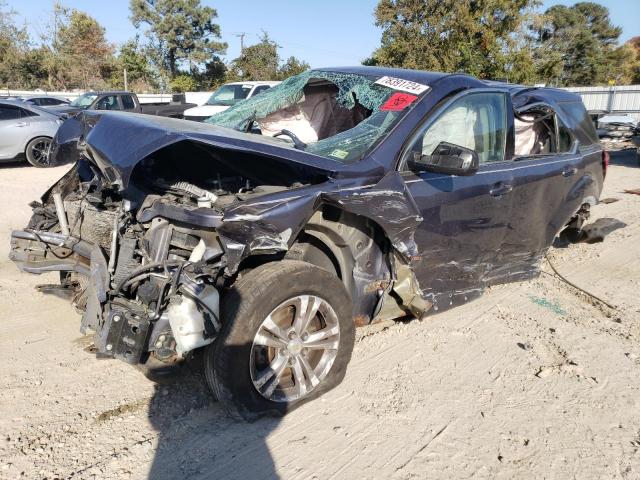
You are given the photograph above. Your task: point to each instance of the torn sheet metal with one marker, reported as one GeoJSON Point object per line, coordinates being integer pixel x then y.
{"type": "Point", "coordinates": [270, 226]}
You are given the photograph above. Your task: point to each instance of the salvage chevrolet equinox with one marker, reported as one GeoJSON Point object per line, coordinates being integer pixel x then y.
{"type": "Point", "coordinates": [339, 198]}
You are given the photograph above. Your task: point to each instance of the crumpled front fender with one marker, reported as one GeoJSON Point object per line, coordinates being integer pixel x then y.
{"type": "Point", "coordinates": [270, 226]}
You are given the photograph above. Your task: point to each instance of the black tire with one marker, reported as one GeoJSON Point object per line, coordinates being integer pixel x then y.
{"type": "Point", "coordinates": [244, 308]}
{"type": "Point", "coordinates": [35, 153]}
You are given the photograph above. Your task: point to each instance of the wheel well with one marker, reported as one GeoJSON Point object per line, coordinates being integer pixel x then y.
{"type": "Point", "coordinates": [348, 245]}
{"type": "Point", "coordinates": [353, 246]}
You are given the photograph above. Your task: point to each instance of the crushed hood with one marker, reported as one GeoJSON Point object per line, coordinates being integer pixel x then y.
{"type": "Point", "coordinates": [117, 141]}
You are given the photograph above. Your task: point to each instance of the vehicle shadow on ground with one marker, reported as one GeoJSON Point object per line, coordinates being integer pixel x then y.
{"type": "Point", "coordinates": [197, 439]}
{"type": "Point", "coordinates": [628, 157]}
{"type": "Point", "coordinates": [19, 163]}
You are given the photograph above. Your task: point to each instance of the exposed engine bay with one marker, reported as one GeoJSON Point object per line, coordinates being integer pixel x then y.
{"type": "Point", "coordinates": [143, 267]}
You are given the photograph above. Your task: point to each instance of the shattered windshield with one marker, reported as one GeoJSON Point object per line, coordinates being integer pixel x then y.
{"type": "Point", "coordinates": [84, 101]}
{"type": "Point", "coordinates": [336, 115]}
{"type": "Point", "coordinates": [228, 95]}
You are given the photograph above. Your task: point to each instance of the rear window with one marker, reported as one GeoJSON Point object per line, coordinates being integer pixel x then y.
{"type": "Point", "coordinates": [127, 101]}
{"type": "Point", "coordinates": [580, 118]}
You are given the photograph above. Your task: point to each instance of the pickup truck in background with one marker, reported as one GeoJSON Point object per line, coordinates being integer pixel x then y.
{"type": "Point", "coordinates": [126, 102]}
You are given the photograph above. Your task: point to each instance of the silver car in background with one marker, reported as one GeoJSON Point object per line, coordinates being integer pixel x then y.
{"type": "Point", "coordinates": [45, 101]}
{"type": "Point", "coordinates": [26, 132]}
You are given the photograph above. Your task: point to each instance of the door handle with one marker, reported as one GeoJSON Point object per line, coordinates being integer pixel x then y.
{"type": "Point", "coordinates": [499, 189]}
{"type": "Point", "coordinates": [568, 171]}
{"type": "Point", "coordinates": [21, 124]}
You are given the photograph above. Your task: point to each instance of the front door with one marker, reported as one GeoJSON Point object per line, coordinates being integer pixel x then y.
{"type": "Point", "coordinates": [465, 217]}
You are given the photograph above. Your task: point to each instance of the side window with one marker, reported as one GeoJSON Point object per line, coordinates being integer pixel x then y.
{"type": "Point", "coordinates": [27, 113]}
{"type": "Point", "coordinates": [127, 102]}
{"type": "Point", "coordinates": [579, 116]}
{"type": "Point", "coordinates": [477, 121]}
{"type": "Point", "coordinates": [540, 131]}
{"type": "Point", "coordinates": [259, 89]}
{"type": "Point", "coordinates": [565, 139]}
{"type": "Point", "coordinates": [110, 102]}
{"type": "Point", "coordinates": [9, 112]}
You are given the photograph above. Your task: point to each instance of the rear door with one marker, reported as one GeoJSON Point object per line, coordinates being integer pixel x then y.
{"type": "Point", "coordinates": [14, 128]}
{"type": "Point", "coordinates": [465, 218]}
{"type": "Point", "coordinates": [548, 189]}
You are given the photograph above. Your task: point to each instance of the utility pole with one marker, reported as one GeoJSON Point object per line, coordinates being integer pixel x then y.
{"type": "Point", "coordinates": [126, 86]}
{"type": "Point", "coordinates": [241, 35]}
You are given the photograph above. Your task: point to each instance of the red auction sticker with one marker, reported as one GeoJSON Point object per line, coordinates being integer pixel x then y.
{"type": "Point", "coordinates": [398, 101]}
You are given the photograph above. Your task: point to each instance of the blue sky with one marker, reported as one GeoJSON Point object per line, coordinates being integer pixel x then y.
{"type": "Point", "coordinates": [325, 33]}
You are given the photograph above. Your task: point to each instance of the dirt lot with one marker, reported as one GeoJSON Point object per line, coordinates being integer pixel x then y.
{"type": "Point", "coordinates": [533, 380]}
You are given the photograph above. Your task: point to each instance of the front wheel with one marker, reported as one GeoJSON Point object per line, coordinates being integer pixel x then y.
{"type": "Point", "coordinates": [287, 339]}
{"type": "Point", "coordinates": [37, 151]}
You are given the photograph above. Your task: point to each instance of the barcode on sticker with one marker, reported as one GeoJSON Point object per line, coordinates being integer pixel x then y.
{"type": "Point", "coordinates": [401, 84]}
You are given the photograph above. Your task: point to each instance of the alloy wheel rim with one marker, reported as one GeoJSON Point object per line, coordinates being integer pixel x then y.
{"type": "Point", "coordinates": [294, 348]}
{"type": "Point", "coordinates": [40, 151]}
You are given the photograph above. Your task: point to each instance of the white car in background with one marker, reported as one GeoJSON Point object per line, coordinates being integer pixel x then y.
{"type": "Point", "coordinates": [227, 95]}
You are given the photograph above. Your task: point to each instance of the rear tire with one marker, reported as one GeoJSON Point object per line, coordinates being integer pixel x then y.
{"type": "Point", "coordinates": [238, 362]}
{"type": "Point", "coordinates": [37, 151]}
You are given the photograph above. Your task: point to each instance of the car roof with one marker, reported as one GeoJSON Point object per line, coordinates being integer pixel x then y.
{"type": "Point", "coordinates": [429, 78]}
{"type": "Point", "coordinates": [27, 106]}
{"type": "Point", "coordinates": [254, 82]}
{"type": "Point", "coordinates": [41, 96]}
{"type": "Point", "coordinates": [418, 76]}
{"type": "Point", "coordinates": [15, 103]}
{"type": "Point", "coordinates": [109, 92]}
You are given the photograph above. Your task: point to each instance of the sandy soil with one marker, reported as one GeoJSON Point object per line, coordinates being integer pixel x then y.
{"type": "Point", "coordinates": [533, 380]}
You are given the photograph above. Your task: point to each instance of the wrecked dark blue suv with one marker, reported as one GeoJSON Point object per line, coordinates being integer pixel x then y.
{"type": "Point", "coordinates": [341, 197]}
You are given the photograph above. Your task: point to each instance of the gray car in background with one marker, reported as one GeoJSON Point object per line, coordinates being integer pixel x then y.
{"type": "Point", "coordinates": [45, 101]}
{"type": "Point", "coordinates": [26, 132]}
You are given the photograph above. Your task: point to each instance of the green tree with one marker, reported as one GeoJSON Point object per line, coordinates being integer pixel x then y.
{"type": "Point", "coordinates": [632, 63]}
{"type": "Point", "coordinates": [577, 45]}
{"type": "Point", "coordinates": [84, 50]}
{"type": "Point", "coordinates": [183, 83]}
{"type": "Point", "coordinates": [74, 52]}
{"type": "Point", "coordinates": [32, 69]}
{"type": "Point", "coordinates": [262, 62]}
{"type": "Point", "coordinates": [180, 31]}
{"type": "Point", "coordinates": [212, 76]}
{"type": "Point", "coordinates": [292, 66]}
{"type": "Point", "coordinates": [14, 45]}
{"type": "Point", "coordinates": [133, 58]}
{"type": "Point", "coordinates": [257, 62]}
{"type": "Point", "coordinates": [485, 38]}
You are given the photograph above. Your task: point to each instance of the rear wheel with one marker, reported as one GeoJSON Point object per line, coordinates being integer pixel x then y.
{"type": "Point", "coordinates": [37, 151]}
{"type": "Point", "coordinates": [287, 339]}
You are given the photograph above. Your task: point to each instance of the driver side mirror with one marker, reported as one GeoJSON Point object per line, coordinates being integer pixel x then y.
{"type": "Point", "coordinates": [447, 158]}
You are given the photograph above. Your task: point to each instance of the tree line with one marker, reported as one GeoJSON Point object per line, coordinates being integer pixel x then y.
{"type": "Point", "coordinates": [507, 39]}
{"type": "Point", "coordinates": [178, 46]}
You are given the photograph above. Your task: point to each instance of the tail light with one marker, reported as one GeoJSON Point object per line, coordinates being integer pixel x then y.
{"type": "Point", "coordinates": [605, 162]}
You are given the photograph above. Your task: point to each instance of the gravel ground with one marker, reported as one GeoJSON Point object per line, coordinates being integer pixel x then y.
{"type": "Point", "coordinates": [533, 380]}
